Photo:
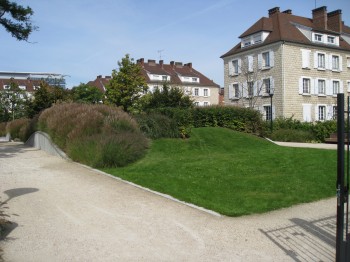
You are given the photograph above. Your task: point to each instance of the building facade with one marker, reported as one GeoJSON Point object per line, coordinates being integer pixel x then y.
{"type": "Point", "coordinates": [290, 66]}
{"type": "Point", "coordinates": [30, 82]}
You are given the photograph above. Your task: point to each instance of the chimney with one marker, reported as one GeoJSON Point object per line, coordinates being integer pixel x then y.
{"type": "Point", "coordinates": [140, 61]}
{"type": "Point", "coordinates": [151, 62]}
{"type": "Point", "coordinates": [273, 11]}
{"type": "Point", "coordinates": [319, 17]}
{"type": "Point", "coordinates": [288, 11]}
{"type": "Point", "coordinates": [99, 76]}
{"type": "Point", "coordinates": [172, 63]}
{"type": "Point", "coordinates": [189, 65]}
{"type": "Point", "coordinates": [161, 63]}
{"type": "Point", "coordinates": [334, 22]}
{"type": "Point", "coordinates": [178, 64]}
{"type": "Point", "coordinates": [108, 77]}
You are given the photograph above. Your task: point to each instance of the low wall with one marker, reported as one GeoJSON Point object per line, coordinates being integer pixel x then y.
{"type": "Point", "coordinates": [5, 138]}
{"type": "Point", "coordinates": [43, 141]}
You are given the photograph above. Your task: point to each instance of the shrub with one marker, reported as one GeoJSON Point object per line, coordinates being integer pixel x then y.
{"type": "Point", "coordinates": [292, 135]}
{"type": "Point", "coordinates": [96, 135]}
{"type": "Point", "coordinates": [18, 128]}
{"type": "Point", "coordinates": [3, 128]}
{"type": "Point", "coordinates": [155, 125]}
{"type": "Point", "coordinates": [323, 130]}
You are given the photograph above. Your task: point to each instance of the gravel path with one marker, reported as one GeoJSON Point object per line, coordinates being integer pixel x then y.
{"type": "Point", "coordinates": [63, 211]}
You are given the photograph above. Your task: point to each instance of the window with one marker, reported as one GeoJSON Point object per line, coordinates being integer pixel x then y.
{"type": "Point", "coordinates": [196, 92]}
{"type": "Point", "coordinates": [267, 85]}
{"type": "Point", "coordinates": [250, 89]}
{"type": "Point", "coordinates": [164, 78]}
{"type": "Point", "coordinates": [306, 86]}
{"type": "Point", "coordinates": [321, 87]}
{"type": "Point", "coordinates": [6, 86]}
{"type": "Point", "coordinates": [206, 104]}
{"type": "Point", "coordinates": [194, 79]}
{"type": "Point", "coordinates": [318, 38]}
{"type": "Point", "coordinates": [266, 59]}
{"type": "Point", "coordinates": [236, 91]}
{"type": "Point", "coordinates": [22, 87]}
{"type": "Point", "coordinates": [196, 103]}
{"type": "Point", "coordinates": [321, 61]}
{"type": "Point", "coordinates": [257, 39]}
{"type": "Point", "coordinates": [336, 86]}
{"type": "Point", "coordinates": [331, 39]}
{"type": "Point", "coordinates": [268, 113]}
{"type": "Point", "coordinates": [205, 90]}
{"type": "Point", "coordinates": [36, 87]}
{"type": "Point", "coordinates": [335, 62]}
{"type": "Point", "coordinates": [305, 55]}
{"type": "Point", "coordinates": [321, 113]}
{"type": "Point", "coordinates": [348, 61]}
{"type": "Point", "coordinates": [335, 112]}
{"type": "Point", "coordinates": [235, 66]}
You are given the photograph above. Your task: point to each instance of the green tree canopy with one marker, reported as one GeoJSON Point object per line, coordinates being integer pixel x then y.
{"type": "Point", "coordinates": [16, 19]}
{"type": "Point", "coordinates": [168, 97]}
{"type": "Point", "coordinates": [84, 93]}
{"type": "Point", "coordinates": [12, 102]}
{"type": "Point", "coordinates": [45, 97]}
{"type": "Point", "coordinates": [126, 85]}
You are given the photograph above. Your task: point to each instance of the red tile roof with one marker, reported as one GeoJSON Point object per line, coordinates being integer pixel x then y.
{"type": "Point", "coordinates": [100, 82]}
{"type": "Point", "coordinates": [29, 84]}
{"type": "Point", "coordinates": [282, 27]}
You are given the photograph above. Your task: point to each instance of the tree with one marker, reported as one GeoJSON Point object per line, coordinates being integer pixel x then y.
{"type": "Point", "coordinates": [12, 102]}
{"type": "Point", "coordinates": [16, 19]}
{"type": "Point", "coordinates": [87, 94]}
{"type": "Point", "coordinates": [126, 85]}
{"type": "Point", "coordinates": [168, 97]}
{"type": "Point", "coordinates": [44, 98]}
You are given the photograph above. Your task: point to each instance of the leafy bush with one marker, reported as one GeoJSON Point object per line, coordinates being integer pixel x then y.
{"type": "Point", "coordinates": [18, 128]}
{"type": "Point", "coordinates": [292, 135]}
{"type": "Point", "coordinates": [155, 125]}
{"type": "Point", "coordinates": [96, 135]}
{"type": "Point", "coordinates": [323, 130]}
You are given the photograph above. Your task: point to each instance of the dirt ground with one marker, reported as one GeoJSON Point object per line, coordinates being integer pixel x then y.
{"type": "Point", "coordinates": [62, 211]}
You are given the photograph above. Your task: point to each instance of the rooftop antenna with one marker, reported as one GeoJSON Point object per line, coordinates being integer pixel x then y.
{"type": "Point", "coordinates": [160, 53]}
{"type": "Point", "coordinates": [315, 3]}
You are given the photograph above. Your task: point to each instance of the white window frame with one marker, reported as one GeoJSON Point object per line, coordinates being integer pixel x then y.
{"type": "Point", "coordinates": [335, 89]}
{"type": "Point", "coordinates": [6, 87]}
{"type": "Point", "coordinates": [318, 81]}
{"type": "Point", "coordinates": [321, 63]}
{"type": "Point", "coordinates": [196, 91]}
{"type": "Point", "coordinates": [321, 116]}
{"type": "Point", "coordinates": [335, 63]}
{"type": "Point", "coordinates": [205, 92]}
{"type": "Point", "coordinates": [306, 80]}
{"type": "Point", "coordinates": [318, 38]}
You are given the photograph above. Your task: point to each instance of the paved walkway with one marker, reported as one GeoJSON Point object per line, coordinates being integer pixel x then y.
{"type": "Point", "coordinates": [63, 211]}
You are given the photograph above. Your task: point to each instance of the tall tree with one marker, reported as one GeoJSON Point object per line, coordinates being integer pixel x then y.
{"type": "Point", "coordinates": [12, 102]}
{"type": "Point", "coordinates": [16, 19]}
{"type": "Point", "coordinates": [127, 85]}
{"type": "Point", "coordinates": [84, 93]}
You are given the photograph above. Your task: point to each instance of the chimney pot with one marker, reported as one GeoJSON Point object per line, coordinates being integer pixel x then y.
{"type": "Point", "coordinates": [288, 11]}
{"type": "Point", "coordinates": [273, 11]}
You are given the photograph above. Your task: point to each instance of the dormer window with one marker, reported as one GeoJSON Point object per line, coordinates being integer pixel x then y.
{"type": "Point", "coordinates": [318, 38]}
{"type": "Point", "coordinates": [257, 39]}
{"type": "Point", "coordinates": [254, 39]}
{"type": "Point", "coordinates": [331, 39]}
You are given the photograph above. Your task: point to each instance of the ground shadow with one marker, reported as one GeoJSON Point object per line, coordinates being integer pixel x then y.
{"type": "Point", "coordinates": [8, 150]}
{"type": "Point", "coordinates": [15, 192]}
{"type": "Point", "coordinates": [304, 240]}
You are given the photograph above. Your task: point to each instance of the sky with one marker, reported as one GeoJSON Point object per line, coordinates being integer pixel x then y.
{"type": "Point", "coordinates": [85, 38]}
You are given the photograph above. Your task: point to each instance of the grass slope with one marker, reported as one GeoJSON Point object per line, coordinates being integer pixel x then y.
{"type": "Point", "coordinates": [234, 173]}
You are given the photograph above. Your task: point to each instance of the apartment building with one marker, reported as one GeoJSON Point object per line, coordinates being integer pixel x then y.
{"type": "Point", "coordinates": [290, 66]}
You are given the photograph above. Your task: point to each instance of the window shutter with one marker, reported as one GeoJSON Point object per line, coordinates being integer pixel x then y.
{"type": "Point", "coordinates": [273, 112]}
{"type": "Point", "coordinates": [316, 113]}
{"type": "Point", "coordinates": [340, 63]}
{"type": "Point", "coordinates": [208, 92]}
{"type": "Point", "coordinates": [329, 112]}
{"type": "Point", "coordinates": [348, 86]}
{"type": "Point", "coordinates": [230, 68]}
{"type": "Point", "coordinates": [255, 89]}
{"type": "Point", "coordinates": [239, 65]}
{"type": "Point", "coordinates": [315, 60]}
{"type": "Point", "coordinates": [250, 63]}
{"type": "Point", "coordinates": [259, 61]}
{"type": "Point", "coordinates": [245, 91]}
{"type": "Point", "coordinates": [312, 87]}
{"type": "Point", "coordinates": [300, 86]}
{"type": "Point", "coordinates": [341, 88]}
{"type": "Point", "coordinates": [307, 112]}
{"type": "Point", "coordinates": [272, 59]}
{"type": "Point", "coordinates": [230, 91]}
{"type": "Point", "coordinates": [305, 55]}
{"type": "Point", "coordinates": [328, 61]}
{"type": "Point", "coordinates": [272, 84]}
{"type": "Point", "coordinates": [329, 88]}
{"type": "Point", "coordinates": [317, 91]}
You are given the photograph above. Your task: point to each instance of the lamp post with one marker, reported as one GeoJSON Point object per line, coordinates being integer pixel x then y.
{"type": "Point", "coordinates": [271, 111]}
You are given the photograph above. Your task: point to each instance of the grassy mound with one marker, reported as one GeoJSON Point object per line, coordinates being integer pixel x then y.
{"type": "Point", "coordinates": [234, 173]}
{"type": "Point", "coordinates": [96, 135]}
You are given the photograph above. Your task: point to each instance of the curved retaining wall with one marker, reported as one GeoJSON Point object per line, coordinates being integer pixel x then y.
{"type": "Point", "coordinates": [43, 141]}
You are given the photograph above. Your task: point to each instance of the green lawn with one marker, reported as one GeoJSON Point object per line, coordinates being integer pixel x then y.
{"type": "Point", "coordinates": [234, 173]}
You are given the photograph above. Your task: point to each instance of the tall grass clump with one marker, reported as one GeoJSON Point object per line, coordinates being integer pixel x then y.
{"type": "Point", "coordinates": [96, 135]}
{"type": "Point", "coordinates": [18, 129]}
{"type": "Point", "coordinates": [3, 128]}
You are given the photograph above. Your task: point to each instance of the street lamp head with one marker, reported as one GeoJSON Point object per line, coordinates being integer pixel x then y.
{"type": "Point", "coordinates": [272, 90]}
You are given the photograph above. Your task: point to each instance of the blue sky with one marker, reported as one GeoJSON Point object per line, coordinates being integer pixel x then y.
{"type": "Point", "coordinates": [86, 38]}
